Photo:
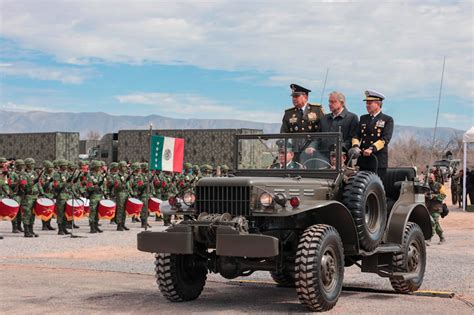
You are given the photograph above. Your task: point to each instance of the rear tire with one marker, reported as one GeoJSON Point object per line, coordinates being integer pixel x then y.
{"type": "Point", "coordinates": [180, 277]}
{"type": "Point", "coordinates": [364, 196]}
{"type": "Point", "coordinates": [319, 267]}
{"type": "Point", "coordinates": [411, 259]}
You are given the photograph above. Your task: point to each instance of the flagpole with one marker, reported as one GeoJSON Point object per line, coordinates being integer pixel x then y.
{"type": "Point", "coordinates": [147, 179]}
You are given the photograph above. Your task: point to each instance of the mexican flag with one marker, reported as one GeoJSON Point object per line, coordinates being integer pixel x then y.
{"type": "Point", "coordinates": [166, 154]}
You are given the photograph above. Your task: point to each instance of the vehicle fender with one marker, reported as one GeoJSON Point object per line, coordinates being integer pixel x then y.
{"type": "Point", "coordinates": [400, 215]}
{"type": "Point", "coordinates": [337, 215]}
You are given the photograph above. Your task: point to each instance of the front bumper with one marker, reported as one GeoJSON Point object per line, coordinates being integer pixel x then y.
{"type": "Point", "coordinates": [229, 242]}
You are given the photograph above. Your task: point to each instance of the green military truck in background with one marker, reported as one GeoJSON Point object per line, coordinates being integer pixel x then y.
{"type": "Point", "coordinates": [303, 224]}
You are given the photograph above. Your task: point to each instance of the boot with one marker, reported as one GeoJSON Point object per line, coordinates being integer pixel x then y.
{"type": "Point", "coordinates": [97, 227]}
{"type": "Point", "coordinates": [15, 228]}
{"type": "Point", "coordinates": [18, 224]}
{"type": "Point", "coordinates": [49, 227]}
{"type": "Point", "coordinates": [64, 227]}
{"type": "Point", "coordinates": [442, 240]}
{"type": "Point", "coordinates": [93, 229]}
{"type": "Point", "coordinates": [44, 226]}
{"type": "Point", "coordinates": [119, 227]}
{"type": "Point", "coordinates": [27, 232]}
{"type": "Point", "coordinates": [125, 228]}
{"type": "Point", "coordinates": [76, 226]}
{"type": "Point", "coordinates": [30, 227]}
{"type": "Point", "coordinates": [60, 229]}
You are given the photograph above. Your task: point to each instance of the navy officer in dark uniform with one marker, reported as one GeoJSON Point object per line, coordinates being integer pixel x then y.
{"type": "Point", "coordinates": [373, 136]}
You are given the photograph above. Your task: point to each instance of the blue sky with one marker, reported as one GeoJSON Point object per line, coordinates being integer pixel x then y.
{"type": "Point", "coordinates": [236, 59]}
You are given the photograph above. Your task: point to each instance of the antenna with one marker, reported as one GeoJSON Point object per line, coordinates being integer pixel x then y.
{"type": "Point", "coordinates": [324, 87]}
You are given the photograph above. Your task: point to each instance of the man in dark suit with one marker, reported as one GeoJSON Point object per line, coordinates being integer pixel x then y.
{"type": "Point", "coordinates": [373, 136]}
{"type": "Point", "coordinates": [340, 117]}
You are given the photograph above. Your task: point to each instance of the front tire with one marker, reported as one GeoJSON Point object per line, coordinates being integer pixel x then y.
{"type": "Point", "coordinates": [319, 267]}
{"type": "Point", "coordinates": [180, 277]}
{"type": "Point", "coordinates": [411, 259]}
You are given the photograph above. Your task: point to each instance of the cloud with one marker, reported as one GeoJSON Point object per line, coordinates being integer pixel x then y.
{"type": "Point", "coordinates": [194, 105]}
{"type": "Point", "coordinates": [455, 118]}
{"type": "Point", "coordinates": [394, 47]}
{"type": "Point", "coordinates": [65, 75]}
{"type": "Point", "coordinates": [14, 107]}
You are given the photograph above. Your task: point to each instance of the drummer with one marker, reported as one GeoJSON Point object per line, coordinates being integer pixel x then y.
{"type": "Point", "coordinates": [5, 191]}
{"type": "Point", "coordinates": [147, 192]}
{"type": "Point", "coordinates": [15, 177]}
{"type": "Point", "coordinates": [45, 181]}
{"type": "Point", "coordinates": [121, 193]}
{"type": "Point", "coordinates": [31, 188]}
{"type": "Point", "coordinates": [95, 191]}
{"type": "Point", "coordinates": [62, 188]}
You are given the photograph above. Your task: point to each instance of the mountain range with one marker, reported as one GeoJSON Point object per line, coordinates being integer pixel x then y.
{"type": "Point", "coordinates": [102, 123]}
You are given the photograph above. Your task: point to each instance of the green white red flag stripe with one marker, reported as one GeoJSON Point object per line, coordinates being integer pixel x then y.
{"type": "Point", "coordinates": [166, 154]}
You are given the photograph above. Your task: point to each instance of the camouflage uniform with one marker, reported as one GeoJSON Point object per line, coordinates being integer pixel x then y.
{"type": "Point", "coordinates": [168, 190]}
{"type": "Point", "coordinates": [31, 189]}
{"type": "Point", "coordinates": [15, 187]}
{"type": "Point", "coordinates": [147, 192]}
{"type": "Point", "coordinates": [45, 182]}
{"type": "Point", "coordinates": [206, 170]}
{"type": "Point", "coordinates": [434, 203]}
{"type": "Point", "coordinates": [113, 171]}
{"type": "Point", "coordinates": [121, 193]}
{"type": "Point", "coordinates": [95, 190]}
{"type": "Point", "coordinates": [62, 187]}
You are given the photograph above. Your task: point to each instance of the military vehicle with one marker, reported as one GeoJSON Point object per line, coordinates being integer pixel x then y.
{"type": "Point", "coordinates": [303, 223]}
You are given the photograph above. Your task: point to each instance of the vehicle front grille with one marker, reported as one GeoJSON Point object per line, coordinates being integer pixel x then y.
{"type": "Point", "coordinates": [221, 199]}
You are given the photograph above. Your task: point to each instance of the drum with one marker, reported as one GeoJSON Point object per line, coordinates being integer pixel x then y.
{"type": "Point", "coordinates": [106, 209]}
{"type": "Point", "coordinates": [165, 208]}
{"type": "Point", "coordinates": [8, 209]}
{"type": "Point", "coordinates": [74, 208]}
{"type": "Point", "coordinates": [154, 205]}
{"type": "Point", "coordinates": [44, 208]}
{"type": "Point", "coordinates": [133, 206]}
{"type": "Point", "coordinates": [87, 208]}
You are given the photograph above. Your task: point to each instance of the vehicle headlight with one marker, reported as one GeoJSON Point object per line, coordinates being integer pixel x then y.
{"type": "Point", "coordinates": [266, 199]}
{"type": "Point", "coordinates": [189, 199]}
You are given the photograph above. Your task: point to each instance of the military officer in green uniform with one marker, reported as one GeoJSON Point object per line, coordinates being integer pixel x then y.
{"type": "Point", "coordinates": [17, 196]}
{"type": "Point", "coordinates": [224, 170]}
{"type": "Point", "coordinates": [206, 170]}
{"type": "Point", "coordinates": [95, 191]}
{"type": "Point", "coordinates": [62, 187]}
{"type": "Point", "coordinates": [121, 193]}
{"type": "Point", "coordinates": [286, 161]}
{"type": "Point", "coordinates": [303, 116]}
{"type": "Point", "coordinates": [30, 189]}
{"type": "Point", "coordinates": [45, 182]}
{"type": "Point", "coordinates": [434, 203]}
{"type": "Point", "coordinates": [5, 191]}
{"type": "Point", "coordinates": [168, 190]}
{"type": "Point", "coordinates": [112, 172]}
{"type": "Point", "coordinates": [146, 193]}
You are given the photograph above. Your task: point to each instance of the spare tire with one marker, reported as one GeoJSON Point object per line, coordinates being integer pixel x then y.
{"type": "Point", "coordinates": [364, 196]}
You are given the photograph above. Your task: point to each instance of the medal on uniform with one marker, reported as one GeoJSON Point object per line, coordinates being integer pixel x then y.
{"type": "Point", "coordinates": [293, 119]}
{"type": "Point", "coordinates": [380, 123]}
{"type": "Point", "coordinates": [312, 116]}
{"type": "Point", "coordinates": [296, 128]}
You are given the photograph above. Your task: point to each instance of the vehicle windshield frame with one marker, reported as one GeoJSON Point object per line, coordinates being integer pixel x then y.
{"type": "Point", "coordinates": [310, 173]}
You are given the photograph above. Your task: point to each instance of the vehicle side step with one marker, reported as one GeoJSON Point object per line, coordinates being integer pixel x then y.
{"type": "Point", "coordinates": [383, 248]}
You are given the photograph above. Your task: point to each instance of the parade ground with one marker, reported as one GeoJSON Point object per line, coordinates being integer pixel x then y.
{"type": "Point", "coordinates": [105, 273]}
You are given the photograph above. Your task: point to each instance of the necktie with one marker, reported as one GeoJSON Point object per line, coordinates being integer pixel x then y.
{"type": "Point", "coordinates": [301, 111]}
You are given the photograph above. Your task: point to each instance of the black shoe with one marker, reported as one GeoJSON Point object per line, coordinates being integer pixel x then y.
{"type": "Point", "coordinates": [32, 231]}
{"type": "Point", "coordinates": [49, 227]}
{"type": "Point", "coordinates": [61, 231]}
{"type": "Point", "coordinates": [15, 228]}
{"type": "Point", "coordinates": [113, 222]}
{"type": "Point", "coordinates": [18, 225]}
{"type": "Point", "coordinates": [76, 226]}
{"type": "Point", "coordinates": [1, 237]}
{"type": "Point", "coordinates": [98, 224]}
{"type": "Point", "coordinates": [93, 229]}
{"type": "Point", "coordinates": [27, 232]}
{"type": "Point", "coordinates": [125, 228]}
{"type": "Point", "coordinates": [44, 226]}
{"type": "Point", "coordinates": [119, 227]}
{"type": "Point", "coordinates": [97, 228]}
